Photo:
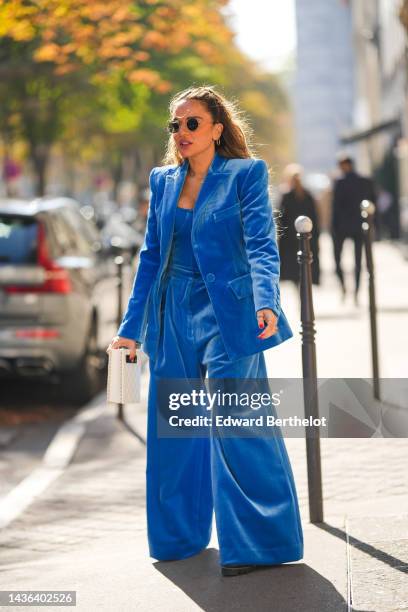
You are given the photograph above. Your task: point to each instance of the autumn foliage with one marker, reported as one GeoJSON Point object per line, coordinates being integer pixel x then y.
{"type": "Point", "coordinates": [95, 76]}
{"type": "Point", "coordinates": [116, 35]}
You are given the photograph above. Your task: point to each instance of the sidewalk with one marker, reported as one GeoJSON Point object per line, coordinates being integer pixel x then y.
{"type": "Point", "coordinates": [87, 530]}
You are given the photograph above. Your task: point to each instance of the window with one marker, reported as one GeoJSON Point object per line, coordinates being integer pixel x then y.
{"type": "Point", "coordinates": [18, 240]}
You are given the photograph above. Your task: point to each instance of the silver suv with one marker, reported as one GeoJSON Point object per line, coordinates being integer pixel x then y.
{"type": "Point", "coordinates": [58, 294]}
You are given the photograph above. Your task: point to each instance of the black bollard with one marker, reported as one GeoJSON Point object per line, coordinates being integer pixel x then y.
{"type": "Point", "coordinates": [367, 212]}
{"type": "Point", "coordinates": [119, 261]}
{"type": "Point", "coordinates": [304, 226]}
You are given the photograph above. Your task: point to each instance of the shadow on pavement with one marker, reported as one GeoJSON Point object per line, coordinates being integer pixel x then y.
{"type": "Point", "coordinates": [376, 553]}
{"type": "Point", "coordinates": [280, 587]}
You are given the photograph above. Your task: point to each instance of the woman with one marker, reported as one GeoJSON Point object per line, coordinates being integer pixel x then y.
{"type": "Point", "coordinates": [297, 201]}
{"type": "Point", "coordinates": [207, 282]}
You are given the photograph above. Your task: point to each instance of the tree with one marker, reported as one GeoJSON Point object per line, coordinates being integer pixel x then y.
{"type": "Point", "coordinates": [52, 49]}
{"type": "Point", "coordinates": [97, 76]}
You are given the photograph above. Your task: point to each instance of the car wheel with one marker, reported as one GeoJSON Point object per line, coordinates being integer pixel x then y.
{"type": "Point", "coordinates": [81, 383]}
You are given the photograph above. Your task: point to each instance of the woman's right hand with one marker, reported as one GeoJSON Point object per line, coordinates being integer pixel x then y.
{"type": "Point", "coordinates": [119, 342]}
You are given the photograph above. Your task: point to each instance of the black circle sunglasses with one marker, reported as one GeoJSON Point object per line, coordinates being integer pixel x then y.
{"type": "Point", "coordinates": [192, 124]}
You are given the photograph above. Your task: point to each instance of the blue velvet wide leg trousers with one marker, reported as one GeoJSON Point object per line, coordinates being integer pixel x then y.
{"type": "Point", "coordinates": [247, 481]}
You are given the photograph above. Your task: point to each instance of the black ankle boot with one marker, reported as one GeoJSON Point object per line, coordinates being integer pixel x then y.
{"type": "Point", "coordinates": [235, 570]}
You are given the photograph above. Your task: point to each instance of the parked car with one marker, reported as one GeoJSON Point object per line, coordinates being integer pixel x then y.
{"type": "Point", "coordinates": [119, 226]}
{"type": "Point", "coordinates": [58, 294]}
{"type": "Point", "coordinates": [118, 234]}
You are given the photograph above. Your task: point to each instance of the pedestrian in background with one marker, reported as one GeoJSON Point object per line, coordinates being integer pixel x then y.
{"type": "Point", "coordinates": [348, 192]}
{"type": "Point", "coordinates": [297, 201]}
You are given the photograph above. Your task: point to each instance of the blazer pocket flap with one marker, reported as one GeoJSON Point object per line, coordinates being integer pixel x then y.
{"type": "Point", "coordinates": [218, 215]}
{"type": "Point", "coordinates": [242, 285]}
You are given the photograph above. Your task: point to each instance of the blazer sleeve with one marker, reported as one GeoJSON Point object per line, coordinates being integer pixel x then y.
{"type": "Point", "coordinates": [134, 321]}
{"type": "Point", "coordinates": [260, 237]}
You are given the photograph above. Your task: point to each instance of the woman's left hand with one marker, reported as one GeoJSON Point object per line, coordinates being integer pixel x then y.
{"type": "Point", "coordinates": [268, 321]}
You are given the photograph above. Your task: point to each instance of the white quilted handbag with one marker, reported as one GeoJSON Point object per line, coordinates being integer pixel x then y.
{"type": "Point", "coordinates": [123, 377]}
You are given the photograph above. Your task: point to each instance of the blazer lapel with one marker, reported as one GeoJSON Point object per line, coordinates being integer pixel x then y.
{"type": "Point", "coordinates": [213, 187]}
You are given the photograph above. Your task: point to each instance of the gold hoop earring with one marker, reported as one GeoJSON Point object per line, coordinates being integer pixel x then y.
{"type": "Point", "coordinates": [218, 142]}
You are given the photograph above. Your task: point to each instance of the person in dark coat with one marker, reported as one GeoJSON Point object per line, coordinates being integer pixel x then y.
{"type": "Point", "coordinates": [348, 193]}
{"type": "Point", "coordinates": [297, 201]}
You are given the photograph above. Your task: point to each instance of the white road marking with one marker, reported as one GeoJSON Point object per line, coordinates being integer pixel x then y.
{"type": "Point", "coordinates": [56, 458]}
{"type": "Point", "coordinates": [349, 569]}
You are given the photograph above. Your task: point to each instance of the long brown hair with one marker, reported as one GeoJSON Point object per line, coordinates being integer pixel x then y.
{"type": "Point", "coordinates": [236, 135]}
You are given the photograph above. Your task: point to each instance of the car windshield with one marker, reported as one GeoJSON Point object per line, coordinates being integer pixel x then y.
{"type": "Point", "coordinates": [18, 240]}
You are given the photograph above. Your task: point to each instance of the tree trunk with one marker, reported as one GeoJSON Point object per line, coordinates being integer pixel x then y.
{"type": "Point", "coordinates": [39, 157]}
{"type": "Point", "coordinates": [117, 172]}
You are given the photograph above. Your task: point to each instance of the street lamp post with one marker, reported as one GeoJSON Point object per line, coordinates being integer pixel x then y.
{"type": "Point", "coordinates": [119, 261]}
{"type": "Point", "coordinates": [304, 226]}
{"type": "Point", "coordinates": [367, 212]}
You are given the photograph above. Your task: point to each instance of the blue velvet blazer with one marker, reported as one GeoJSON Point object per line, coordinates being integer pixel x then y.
{"type": "Point", "coordinates": [234, 242]}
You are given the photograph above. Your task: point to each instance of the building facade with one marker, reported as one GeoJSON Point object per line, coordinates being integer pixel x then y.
{"type": "Point", "coordinates": [351, 93]}
{"type": "Point", "coordinates": [324, 82]}
{"type": "Point", "coordinates": [380, 114]}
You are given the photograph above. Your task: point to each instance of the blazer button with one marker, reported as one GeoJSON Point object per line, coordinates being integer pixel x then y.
{"type": "Point", "coordinates": [210, 277]}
